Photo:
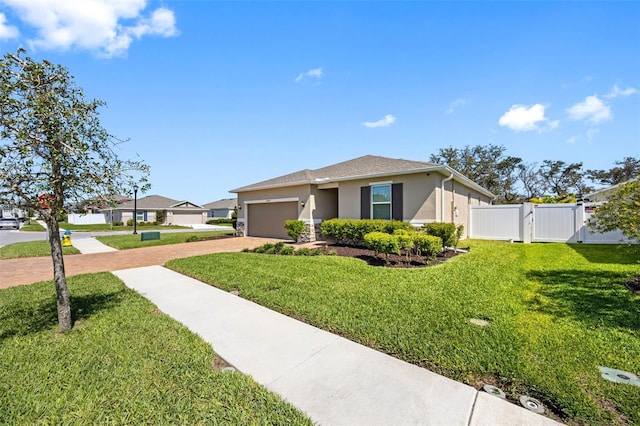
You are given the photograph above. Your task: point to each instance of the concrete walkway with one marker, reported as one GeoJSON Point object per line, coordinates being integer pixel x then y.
{"type": "Point", "coordinates": [335, 381]}
{"type": "Point", "coordinates": [91, 245]}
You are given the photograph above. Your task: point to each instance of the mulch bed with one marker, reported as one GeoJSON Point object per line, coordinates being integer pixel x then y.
{"type": "Point", "coordinates": [393, 261]}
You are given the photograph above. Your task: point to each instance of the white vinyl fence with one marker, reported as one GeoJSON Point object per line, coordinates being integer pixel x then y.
{"type": "Point", "coordinates": [528, 222]}
{"type": "Point", "coordinates": [87, 219]}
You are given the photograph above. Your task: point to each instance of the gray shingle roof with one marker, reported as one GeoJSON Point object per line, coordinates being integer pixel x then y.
{"type": "Point", "coordinates": [362, 166]}
{"type": "Point", "coordinates": [226, 203]}
{"type": "Point", "coordinates": [158, 202]}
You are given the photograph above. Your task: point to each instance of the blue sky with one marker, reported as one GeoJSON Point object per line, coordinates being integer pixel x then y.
{"type": "Point", "coordinates": [217, 95]}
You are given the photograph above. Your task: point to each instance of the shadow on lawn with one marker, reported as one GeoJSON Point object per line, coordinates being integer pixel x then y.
{"type": "Point", "coordinates": [622, 254]}
{"type": "Point", "coordinates": [26, 317]}
{"type": "Point", "coordinates": [597, 299]}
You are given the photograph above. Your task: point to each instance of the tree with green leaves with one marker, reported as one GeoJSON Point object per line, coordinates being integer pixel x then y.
{"type": "Point", "coordinates": [621, 211]}
{"type": "Point", "coordinates": [54, 152]}
{"type": "Point", "coordinates": [562, 178]}
{"type": "Point", "coordinates": [488, 166]}
{"type": "Point", "coordinates": [623, 171]}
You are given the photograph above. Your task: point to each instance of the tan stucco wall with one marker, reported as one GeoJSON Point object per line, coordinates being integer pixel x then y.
{"type": "Point", "coordinates": [301, 192]}
{"type": "Point", "coordinates": [325, 203]}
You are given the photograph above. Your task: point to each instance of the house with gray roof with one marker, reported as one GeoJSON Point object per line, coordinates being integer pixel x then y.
{"type": "Point", "coordinates": [221, 209]}
{"type": "Point", "coordinates": [368, 187]}
{"type": "Point", "coordinates": [174, 212]}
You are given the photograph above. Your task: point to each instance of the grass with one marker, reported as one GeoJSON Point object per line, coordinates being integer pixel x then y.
{"type": "Point", "coordinates": [122, 242]}
{"type": "Point", "coordinates": [32, 249]}
{"type": "Point", "coordinates": [108, 227]}
{"type": "Point", "coordinates": [556, 313]}
{"type": "Point", "coordinates": [123, 363]}
{"type": "Point", "coordinates": [32, 226]}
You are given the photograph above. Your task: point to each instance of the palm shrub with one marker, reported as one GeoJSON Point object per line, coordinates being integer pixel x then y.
{"type": "Point", "coordinates": [294, 228]}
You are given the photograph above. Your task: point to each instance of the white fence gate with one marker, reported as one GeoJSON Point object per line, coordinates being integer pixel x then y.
{"type": "Point", "coordinates": [528, 222]}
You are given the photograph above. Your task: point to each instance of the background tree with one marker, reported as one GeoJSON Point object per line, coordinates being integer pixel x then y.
{"type": "Point", "coordinates": [621, 211]}
{"type": "Point", "coordinates": [488, 166]}
{"type": "Point", "coordinates": [562, 179]}
{"type": "Point", "coordinates": [624, 170]}
{"type": "Point", "coordinates": [54, 152]}
{"type": "Point", "coordinates": [529, 176]}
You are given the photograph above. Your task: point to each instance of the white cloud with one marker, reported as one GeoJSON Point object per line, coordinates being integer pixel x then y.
{"type": "Point", "coordinates": [616, 92]}
{"type": "Point", "coordinates": [315, 73]}
{"type": "Point", "coordinates": [524, 118]}
{"type": "Point", "coordinates": [591, 133]}
{"type": "Point", "coordinates": [106, 26]}
{"type": "Point", "coordinates": [455, 105]}
{"type": "Point", "coordinates": [592, 110]}
{"type": "Point", "coordinates": [385, 122]}
{"type": "Point", "coordinates": [572, 140]}
{"type": "Point", "coordinates": [7, 31]}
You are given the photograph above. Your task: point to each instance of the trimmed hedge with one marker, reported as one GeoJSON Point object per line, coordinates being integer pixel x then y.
{"type": "Point", "coordinates": [381, 242]}
{"type": "Point", "coordinates": [294, 228]}
{"type": "Point", "coordinates": [427, 245]}
{"type": "Point", "coordinates": [402, 240]}
{"type": "Point", "coordinates": [352, 231]}
{"type": "Point", "coordinates": [448, 232]}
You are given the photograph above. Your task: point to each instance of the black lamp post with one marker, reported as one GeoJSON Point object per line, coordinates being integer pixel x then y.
{"type": "Point", "coordinates": [135, 209]}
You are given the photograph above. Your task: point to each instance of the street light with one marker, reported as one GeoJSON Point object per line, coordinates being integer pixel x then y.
{"type": "Point", "coordinates": [135, 208]}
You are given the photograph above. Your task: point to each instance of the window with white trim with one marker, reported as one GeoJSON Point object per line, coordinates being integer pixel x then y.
{"type": "Point", "coordinates": [381, 202]}
{"type": "Point", "coordinates": [140, 215]}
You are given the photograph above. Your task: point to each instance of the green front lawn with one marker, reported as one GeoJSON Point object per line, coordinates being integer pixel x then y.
{"type": "Point", "coordinates": [31, 249]}
{"type": "Point", "coordinates": [556, 312]}
{"type": "Point", "coordinates": [122, 242]}
{"type": "Point", "coordinates": [32, 226]}
{"type": "Point", "coordinates": [124, 363]}
{"type": "Point", "coordinates": [108, 227]}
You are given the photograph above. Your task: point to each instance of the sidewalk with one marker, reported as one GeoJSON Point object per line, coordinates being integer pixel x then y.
{"type": "Point", "coordinates": [335, 381]}
{"type": "Point", "coordinates": [91, 245]}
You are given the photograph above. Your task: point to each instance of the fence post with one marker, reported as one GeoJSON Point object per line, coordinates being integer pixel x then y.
{"type": "Point", "coordinates": [526, 223]}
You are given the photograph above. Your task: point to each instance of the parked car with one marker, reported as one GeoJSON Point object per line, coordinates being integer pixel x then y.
{"type": "Point", "coordinates": [9, 222]}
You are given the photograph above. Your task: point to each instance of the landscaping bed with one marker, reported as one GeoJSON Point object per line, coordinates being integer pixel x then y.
{"type": "Point", "coordinates": [393, 260]}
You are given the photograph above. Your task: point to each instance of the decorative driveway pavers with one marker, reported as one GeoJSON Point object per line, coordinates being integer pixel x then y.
{"type": "Point", "coordinates": [34, 269]}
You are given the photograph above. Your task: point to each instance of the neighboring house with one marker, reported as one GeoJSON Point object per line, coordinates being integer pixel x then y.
{"type": "Point", "coordinates": [221, 208]}
{"type": "Point", "coordinates": [175, 212]}
{"type": "Point", "coordinates": [602, 194]}
{"type": "Point", "coordinates": [368, 187]}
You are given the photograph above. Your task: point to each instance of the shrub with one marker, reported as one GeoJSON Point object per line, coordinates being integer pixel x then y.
{"type": "Point", "coordinates": [220, 221]}
{"type": "Point", "coordinates": [352, 231]}
{"type": "Point", "coordinates": [294, 228]}
{"type": "Point", "coordinates": [263, 248]}
{"type": "Point", "coordinates": [117, 224]}
{"type": "Point", "coordinates": [446, 231]}
{"type": "Point", "coordinates": [427, 245]}
{"type": "Point", "coordinates": [193, 238]}
{"type": "Point", "coordinates": [405, 241]}
{"type": "Point", "coordinates": [160, 216]}
{"type": "Point", "coordinates": [381, 242]}
{"type": "Point", "coordinates": [130, 222]}
{"type": "Point", "coordinates": [304, 251]}
{"type": "Point", "coordinates": [287, 251]}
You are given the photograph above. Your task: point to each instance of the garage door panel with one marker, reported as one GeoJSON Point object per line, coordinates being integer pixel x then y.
{"type": "Point", "coordinates": [186, 218]}
{"type": "Point", "coordinates": [267, 220]}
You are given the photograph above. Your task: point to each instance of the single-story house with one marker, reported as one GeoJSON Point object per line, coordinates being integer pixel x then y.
{"type": "Point", "coordinates": [175, 212]}
{"type": "Point", "coordinates": [368, 187]}
{"type": "Point", "coordinates": [602, 194]}
{"type": "Point", "coordinates": [221, 208]}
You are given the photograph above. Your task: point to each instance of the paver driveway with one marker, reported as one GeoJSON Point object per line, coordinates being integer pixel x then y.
{"type": "Point", "coordinates": [33, 269]}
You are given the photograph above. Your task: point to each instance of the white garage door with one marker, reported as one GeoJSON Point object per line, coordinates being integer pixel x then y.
{"type": "Point", "coordinates": [186, 218]}
{"type": "Point", "coordinates": [267, 220]}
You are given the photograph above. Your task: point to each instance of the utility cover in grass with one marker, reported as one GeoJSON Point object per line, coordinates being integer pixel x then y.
{"type": "Point", "coordinates": [619, 376]}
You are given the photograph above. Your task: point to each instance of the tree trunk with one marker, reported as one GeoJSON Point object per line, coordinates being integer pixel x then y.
{"type": "Point", "coordinates": [65, 322]}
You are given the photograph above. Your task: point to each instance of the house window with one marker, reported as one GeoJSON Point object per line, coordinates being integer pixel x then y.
{"type": "Point", "coordinates": [141, 216]}
{"type": "Point", "coordinates": [381, 202]}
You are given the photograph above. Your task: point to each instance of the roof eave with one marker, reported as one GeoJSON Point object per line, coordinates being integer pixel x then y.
{"type": "Point", "coordinates": [437, 168]}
